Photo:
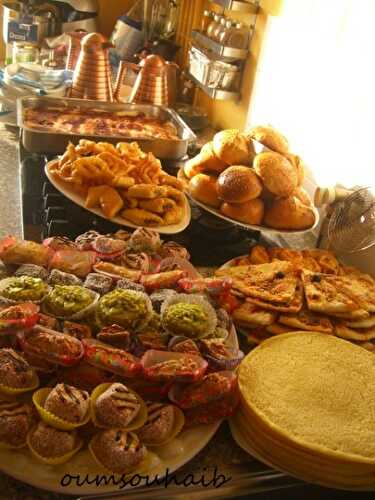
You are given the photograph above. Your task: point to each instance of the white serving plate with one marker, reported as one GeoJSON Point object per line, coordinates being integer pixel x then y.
{"type": "Point", "coordinates": [80, 200]}
{"type": "Point", "coordinates": [251, 227]}
{"type": "Point", "coordinates": [24, 467]}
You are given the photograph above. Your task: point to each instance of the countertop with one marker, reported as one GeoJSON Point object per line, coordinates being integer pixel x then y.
{"type": "Point", "coordinates": [10, 188]}
{"type": "Point", "coordinates": [10, 223]}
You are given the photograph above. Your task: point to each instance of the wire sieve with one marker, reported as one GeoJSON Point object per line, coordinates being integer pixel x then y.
{"type": "Point", "coordinates": [352, 224]}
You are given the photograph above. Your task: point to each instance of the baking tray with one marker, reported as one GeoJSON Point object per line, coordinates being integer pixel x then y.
{"type": "Point", "coordinates": [36, 141]}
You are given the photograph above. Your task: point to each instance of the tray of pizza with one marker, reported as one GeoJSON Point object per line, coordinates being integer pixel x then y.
{"type": "Point", "coordinates": [49, 124]}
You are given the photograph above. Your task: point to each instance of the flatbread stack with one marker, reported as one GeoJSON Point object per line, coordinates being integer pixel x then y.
{"type": "Point", "coordinates": [292, 293]}
{"type": "Point", "coordinates": [307, 408]}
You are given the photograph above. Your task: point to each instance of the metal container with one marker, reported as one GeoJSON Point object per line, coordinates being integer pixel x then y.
{"type": "Point", "coordinates": [52, 142]}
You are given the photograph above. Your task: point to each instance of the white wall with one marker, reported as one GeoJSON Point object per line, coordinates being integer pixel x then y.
{"type": "Point", "coordinates": [316, 83]}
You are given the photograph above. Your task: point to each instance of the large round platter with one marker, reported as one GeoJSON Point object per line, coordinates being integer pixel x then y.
{"type": "Point", "coordinates": [251, 227]}
{"type": "Point", "coordinates": [78, 199]}
{"type": "Point", "coordinates": [22, 466]}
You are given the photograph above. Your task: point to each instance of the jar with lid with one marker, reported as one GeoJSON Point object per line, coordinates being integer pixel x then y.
{"type": "Point", "coordinates": [217, 32]}
{"type": "Point", "coordinates": [208, 17]}
{"type": "Point", "coordinates": [213, 25]}
{"type": "Point", "coordinates": [238, 37]}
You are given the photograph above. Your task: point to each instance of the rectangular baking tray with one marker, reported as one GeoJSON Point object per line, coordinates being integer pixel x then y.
{"type": "Point", "coordinates": [36, 141]}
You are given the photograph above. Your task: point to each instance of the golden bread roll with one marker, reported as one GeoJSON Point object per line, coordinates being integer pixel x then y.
{"type": "Point", "coordinates": [303, 196]}
{"type": "Point", "coordinates": [205, 160]}
{"type": "Point", "coordinates": [298, 163]}
{"type": "Point", "coordinates": [250, 212]}
{"type": "Point", "coordinates": [277, 173]}
{"type": "Point", "coordinates": [233, 148]}
{"type": "Point", "coordinates": [203, 188]}
{"type": "Point", "coordinates": [289, 213]}
{"type": "Point", "coordinates": [238, 184]}
{"type": "Point", "coordinates": [269, 137]}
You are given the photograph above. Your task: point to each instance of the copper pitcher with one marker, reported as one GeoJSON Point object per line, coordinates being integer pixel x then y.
{"type": "Point", "coordinates": [152, 83]}
{"type": "Point", "coordinates": [92, 77]}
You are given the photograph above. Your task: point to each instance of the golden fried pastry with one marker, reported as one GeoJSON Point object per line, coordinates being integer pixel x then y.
{"type": "Point", "coordinates": [147, 191]}
{"type": "Point", "coordinates": [269, 137]}
{"type": "Point", "coordinates": [158, 205]}
{"type": "Point", "coordinates": [259, 255]}
{"type": "Point", "coordinates": [203, 188]}
{"type": "Point", "coordinates": [238, 184]}
{"type": "Point", "coordinates": [142, 217]}
{"type": "Point", "coordinates": [176, 195]}
{"type": "Point", "coordinates": [170, 180]}
{"type": "Point", "coordinates": [289, 213]}
{"type": "Point", "coordinates": [129, 202]}
{"type": "Point", "coordinates": [173, 216]}
{"type": "Point", "coordinates": [277, 173]}
{"type": "Point", "coordinates": [93, 196]}
{"type": "Point", "coordinates": [250, 212]}
{"type": "Point", "coordinates": [110, 202]}
{"type": "Point", "coordinates": [233, 148]}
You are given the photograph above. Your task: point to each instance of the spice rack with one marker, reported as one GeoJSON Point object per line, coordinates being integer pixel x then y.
{"type": "Point", "coordinates": [228, 62]}
{"type": "Point", "coordinates": [238, 5]}
{"type": "Point", "coordinates": [217, 48]}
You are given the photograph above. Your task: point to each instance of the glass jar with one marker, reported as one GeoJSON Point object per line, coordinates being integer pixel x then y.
{"type": "Point", "coordinates": [224, 35]}
{"type": "Point", "coordinates": [213, 25]}
{"type": "Point", "coordinates": [217, 31]}
{"type": "Point", "coordinates": [208, 17]}
{"type": "Point", "coordinates": [25, 53]}
{"type": "Point", "coordinates": [238, 37]}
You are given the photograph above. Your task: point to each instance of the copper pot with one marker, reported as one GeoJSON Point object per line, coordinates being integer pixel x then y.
{"type": "Point", "coordinates": [153, 85]}
{"type": "Point", "coordinates": [92, 77]}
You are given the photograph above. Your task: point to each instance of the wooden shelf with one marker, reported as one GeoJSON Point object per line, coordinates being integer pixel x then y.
{"type": "Point", "coordinates": [238, 5]}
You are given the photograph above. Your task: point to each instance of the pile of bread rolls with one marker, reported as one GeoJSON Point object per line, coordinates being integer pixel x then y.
{"type": "Point", "coordinates": [258, 189]}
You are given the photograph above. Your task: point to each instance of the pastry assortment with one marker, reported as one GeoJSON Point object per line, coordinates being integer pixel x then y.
{"type": "Point", "coordinates": [262, 188]}
{"type": "Point", "coordinates": [280, 290]}
{"type": "Point", "coordinates": [119, 347]}
{"type": "Point", "coordinates": [122, 181]}
{"type": "Point", "coordinates": [307, 406]}
{"type": "Point", "coordinates": [96, 122]}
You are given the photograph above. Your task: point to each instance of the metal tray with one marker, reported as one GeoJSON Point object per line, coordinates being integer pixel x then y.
{"type": "Point", "coordinates": [36, 141]}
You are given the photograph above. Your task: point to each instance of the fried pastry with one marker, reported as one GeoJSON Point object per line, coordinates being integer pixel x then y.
{"type": "Point", "coordinates": [142, 217]}
{"type": "Point", "coordinates": [173, 216]}
{"type": "Point", "coordinates": [147, 191]}
{"type": "Point", "coordinates": [157, 205]}
{"type": "Point", "coordinates": [306, 320]}
{"type": "Point", "coordinates": [250, 315]}
{"type": "Point", "coordinates": [68, 403]}
{"type": "Point", "coordinates": [110, 202]}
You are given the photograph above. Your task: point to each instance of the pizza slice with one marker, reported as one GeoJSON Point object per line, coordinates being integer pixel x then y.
{"type": "Point", "coordinates": [324, 294]}
{"type": "Point", "coordinates": [251, 316]}
{"type": "Point", "coordinates": [306, 320]}
{"type": "Point", "coordinates": [294, 306]}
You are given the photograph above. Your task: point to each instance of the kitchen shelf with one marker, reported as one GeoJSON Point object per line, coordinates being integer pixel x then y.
{"type": "Point", "coordinates": [217, 94]}
{"type": "Point", "coordinates": [238, 5]}
{"type": "Point", "coordinates": [217, 48]}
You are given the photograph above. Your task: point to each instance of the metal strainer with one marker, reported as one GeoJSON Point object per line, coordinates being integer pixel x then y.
{"type": "Point", "coordinates": [352, 224]}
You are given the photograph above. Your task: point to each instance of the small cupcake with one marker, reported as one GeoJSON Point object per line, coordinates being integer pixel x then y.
{"type": "Point", "coordinates": [127, 308]}
{"type": "Point", "coordinates": [164, 422]}
{"type": "Point", "coordinates": [32, 270]}
{"type": "Point", "coordinates": [188, 315]}
{"type": "Point", "coordinates": [64, 407]}
{"type": "Point", "coordinates": [16, 375]}
{"type": "Point", "coordinates": [118, 451]}
{"type": "Point", "coordinates": [15, 424]}
{"type": "Point", "coordinates": [57, 277]}
{"type": "Point", "coordinates": [98, 283]}
{"type": "Point", "coordinates": [52, 446]}
{"type": "Point", "coordinates": [114, 405]}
